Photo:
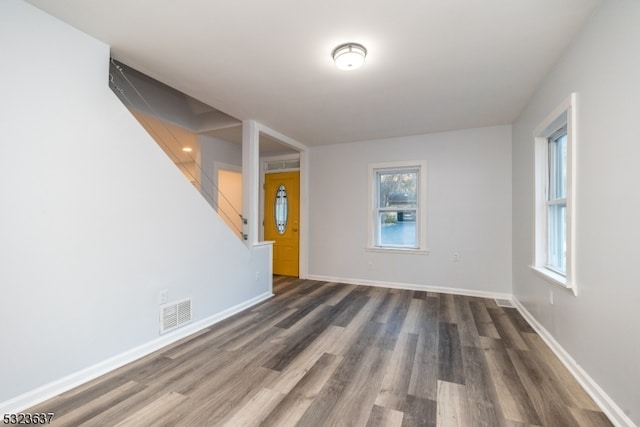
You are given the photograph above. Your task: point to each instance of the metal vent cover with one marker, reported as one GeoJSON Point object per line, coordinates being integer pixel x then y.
{"type": "Point", "coordinates": [504, 303]}
{"type": "Point", "coordinates": [282, 164]}
{"type": "Point", "coordinates": [174, 314]}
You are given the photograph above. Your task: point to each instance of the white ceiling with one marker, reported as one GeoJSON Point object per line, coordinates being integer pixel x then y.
{"type": "Point", "coordinates": [433, 65]}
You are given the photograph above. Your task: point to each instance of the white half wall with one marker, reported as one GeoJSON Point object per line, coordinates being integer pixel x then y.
{"type": "Point", "coordinates": [599, 327]}
{"type": "Point", "coordinates": [96, 219]}
{"type": "Point", "coordinates": [468, 211]}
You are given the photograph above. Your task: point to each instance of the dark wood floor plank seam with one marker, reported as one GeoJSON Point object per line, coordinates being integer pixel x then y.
{"type": "Point", "coordinates": [295, 403]}
{"type": "Point", "coordinates": [466, 324]}
{"type": "Point", "coordinates": [301, 340]}
{"type": "Point", "coordinates": [484, 323]}
{"type": "Point", "coordinates": [395, 385]}
{"type": "Point", "coordinates": [450, 367]}
{"type": "Point", "coordinates": [481, 393]}
{"type": "Point", "coordinates": [545, 400]}
{"type": "Point", "coordinates": [511, 394]}
{"type": "Point", "coordinates": [507, 331]}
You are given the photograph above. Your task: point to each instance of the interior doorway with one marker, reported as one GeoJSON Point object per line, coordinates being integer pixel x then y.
{"type": "Point", "coordinates": [282, 220]}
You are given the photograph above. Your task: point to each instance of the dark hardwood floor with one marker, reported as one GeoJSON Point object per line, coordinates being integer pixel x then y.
{"type": "Point", "coordinates": [327, 354]}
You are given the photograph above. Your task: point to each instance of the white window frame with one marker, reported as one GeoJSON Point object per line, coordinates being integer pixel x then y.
{"type": "Point", "coordinates": [563, 115]}
{"type": "Point", "coordinates": [421, 207]}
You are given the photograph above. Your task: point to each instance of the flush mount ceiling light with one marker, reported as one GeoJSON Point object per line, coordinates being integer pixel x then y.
{"type": "Point", "coordinates": [349, 56]}
{"type": "Point", "coordinates": [187, 149]}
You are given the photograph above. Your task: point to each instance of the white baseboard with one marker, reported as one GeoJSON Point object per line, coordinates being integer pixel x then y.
{"type": "Point", "coordinates": [615, 414]}
{"type": "Point", "coordinates": [47, 391]}
{"type": "Point", "coordinates": [412, 287]}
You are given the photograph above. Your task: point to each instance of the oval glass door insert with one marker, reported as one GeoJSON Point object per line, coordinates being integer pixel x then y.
{"type": "Point", "coordinates": [281, 209]}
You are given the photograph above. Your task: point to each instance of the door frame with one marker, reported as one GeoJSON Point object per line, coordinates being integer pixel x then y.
{"type": "Point", "coordinates": [290, 239]}
{"type": "Point", "coordinates": [303, 220]}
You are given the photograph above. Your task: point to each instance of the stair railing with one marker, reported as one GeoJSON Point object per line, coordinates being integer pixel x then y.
{"type": "Point", "coordinates": [130, 90]}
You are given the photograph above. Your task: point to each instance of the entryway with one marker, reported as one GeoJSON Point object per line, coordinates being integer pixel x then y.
{"type": "Point", "coordinates": [282, 220]}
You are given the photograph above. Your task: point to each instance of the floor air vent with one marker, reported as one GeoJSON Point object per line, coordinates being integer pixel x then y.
{"type": "Point", "coordinates": [174, 314]}
{"type": "Point", "coordinates": [504, 303]}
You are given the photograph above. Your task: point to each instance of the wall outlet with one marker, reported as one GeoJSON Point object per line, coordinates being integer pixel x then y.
{"type": "Point", "coordinates": [163, 296]}
{"type": "Point", "coordinates": [370, 266]}
{"type": "Point", "coordinates": [257, 276]}
{"type": "Point", "coordinates": [456, 256]}
{"type": "Point", "coordinates": [551, 296]}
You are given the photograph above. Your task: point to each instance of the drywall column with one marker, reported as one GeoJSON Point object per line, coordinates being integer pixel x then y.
{"type": "Point", "coordinates": [250, 179]}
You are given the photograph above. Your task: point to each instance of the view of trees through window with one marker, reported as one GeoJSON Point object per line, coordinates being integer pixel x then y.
{"type": "Point", "coordinates": [397, 205]}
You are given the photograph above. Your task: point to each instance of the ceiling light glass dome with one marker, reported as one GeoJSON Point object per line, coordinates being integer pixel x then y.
{"type": "Point", "coordinates": [349, 56]}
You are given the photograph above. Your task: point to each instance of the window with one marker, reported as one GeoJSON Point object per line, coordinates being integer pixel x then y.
{"type": "Point", "coordinates": [557, 202]}
{"type": "Point", "coordinates": [397, 197]}
{"type": "Point", "coordinates": [554, 169]}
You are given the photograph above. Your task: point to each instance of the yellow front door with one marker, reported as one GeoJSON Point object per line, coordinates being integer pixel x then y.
{"type": "Point", "coordinates": [281, 220]}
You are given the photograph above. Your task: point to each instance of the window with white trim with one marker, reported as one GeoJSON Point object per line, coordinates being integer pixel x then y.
{"type": "Point", "coordinates": [555, 197]}
{"type": "Point", "coordinates": [556, 201]}
{"type": "Point", "coordinates": [397, 198]}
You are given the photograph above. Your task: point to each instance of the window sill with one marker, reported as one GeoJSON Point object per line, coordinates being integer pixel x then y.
{"type": "Point", "coordinates": [553, 277]}
{"type": "Point", "coordinates": [397, 250]}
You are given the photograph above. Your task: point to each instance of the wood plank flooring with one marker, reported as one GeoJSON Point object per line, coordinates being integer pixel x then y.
{"type": "Point", "coordinates": [329, 354]}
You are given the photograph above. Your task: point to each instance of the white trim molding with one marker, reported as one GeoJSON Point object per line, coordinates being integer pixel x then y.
{"type": "Point", "coordinates": [563, 114]}
{"type": "Point", "coordinates": [421, 208]}
{"type": "Point", "coordinates": [412, 287]}
{"type": "Point", "coordinates": [398, 250]}
{"type": "Point", "coordinates": [615, 414]}
{"type": "Point", "coordinates": [47, 391]}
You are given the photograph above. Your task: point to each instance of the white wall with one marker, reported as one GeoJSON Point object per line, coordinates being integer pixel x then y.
{"type": "Point", "coordinates": [599, 327]}
{"type": "Point", "coordinates": [95, 218]}
{"type": "Point", "coordinates": [468, 210]}
{"type": "Point", "coordinates": [214, 151]}
{"type": "Point", "coordinates": [221, 151]}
